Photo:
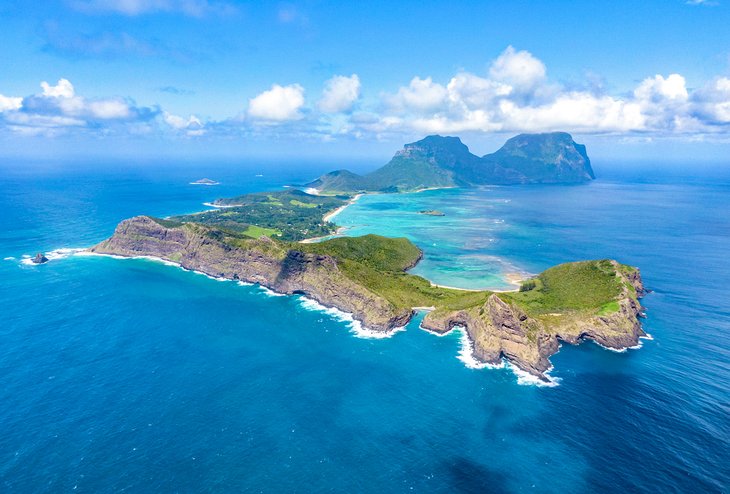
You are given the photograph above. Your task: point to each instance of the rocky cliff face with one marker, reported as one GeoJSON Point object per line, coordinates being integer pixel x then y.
{"type": "Point", "coordinates": [257, 261]}
{"type": "Point", "coordinates": [500, 329]}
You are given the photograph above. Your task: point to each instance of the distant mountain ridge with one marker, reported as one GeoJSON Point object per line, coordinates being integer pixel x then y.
{"type": "Point", "coordinates": [438, 161]}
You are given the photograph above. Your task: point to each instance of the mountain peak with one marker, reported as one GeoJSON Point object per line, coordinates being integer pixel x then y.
{"type": "Point", "coordinates": [445, 161]}
{"type": "Point", "coordinates": [437, 143]}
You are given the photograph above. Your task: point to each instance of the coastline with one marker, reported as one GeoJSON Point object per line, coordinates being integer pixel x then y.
{"type": "Point", "coordinates": [466, 353]}
{"type": "Point", "coordinates": [328, 217]}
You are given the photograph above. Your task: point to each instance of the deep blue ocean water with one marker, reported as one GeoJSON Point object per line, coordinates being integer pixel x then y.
{"type": "Point", "coordinates": [133, 376]}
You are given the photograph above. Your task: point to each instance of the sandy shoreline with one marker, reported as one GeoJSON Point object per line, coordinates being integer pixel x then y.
{"type": "Point", "coordinates": [329, 216]}
{"type": "Point", "coordinates": [512, 278]}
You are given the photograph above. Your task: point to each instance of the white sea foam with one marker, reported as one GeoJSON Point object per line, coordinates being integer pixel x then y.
{"type": "Point", "coordinates": [245, 283]}
{"type": "Point", "coordinates": [625, 349]}
{"type": "Point", "coordinates": [466, 353]}
{"type": "Point", "coordinates": [9, 258]}
{"type": "Point", "coordinates": [220, 206]}
{"type": "Point", "coordinates": [271, 293]}
{"type": "Point", "coordinates": [90, 254]}
{"type": "Point", "coordinates": [52, 255]}
{"type": "Point", "coordinates": [355, 326]}
{"type": "Point", "coordinates": [526, 379]}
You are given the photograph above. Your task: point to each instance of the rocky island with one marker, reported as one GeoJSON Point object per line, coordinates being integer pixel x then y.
{"type": "Point", "coordinates": [205, 181]}
{"type": "Point", "coordinates": [257, 239]}
{"type": "Point", "coordinates": [431, 212]}
{"type": "Point", "coordinates": [438, 161]}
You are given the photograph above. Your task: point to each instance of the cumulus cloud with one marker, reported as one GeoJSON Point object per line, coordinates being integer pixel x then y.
{"type": "Point", "coordinates": [516, 96]}
{"type": "Point", "coordinates": [193, 8]}
{"type": "Point", "coordinates": [513, 95]}
{"type": "Point", "coordinates": [340, 94]}
{"type": "Point", "coordinates": [712, 102]}
{"type": "Point", "coordinates": [63, 89]}
{"type": "Point", "coordinates": [519, 69]}
{"type": "Point", "coordinates": [421, 95]}
{"type": "Point", "coordinates": [278, 104]}
{"type": "Point", "coordinates": [191, 126]}
{"type": "Point", "coordinates": [58, 106]}
{"type": "Point", "coordinates": [10, 103]}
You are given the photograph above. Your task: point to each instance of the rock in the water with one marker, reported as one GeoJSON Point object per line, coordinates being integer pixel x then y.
{"type": "Point", "coordinates": [40, 258]}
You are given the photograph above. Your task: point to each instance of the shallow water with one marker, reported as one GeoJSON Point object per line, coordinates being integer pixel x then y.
{"type": "Point", "coordinates": [133, 375]}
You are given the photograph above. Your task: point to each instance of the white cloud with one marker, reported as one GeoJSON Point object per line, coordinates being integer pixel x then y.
{"type": "Point", "coordinates": [712, 103]}
{"type": "Point", "coordinates": [178, 122]}
{"type": "Point", "coordinates": [58, 106]}
{"type": "Point", "coordinates": [191, 126]}
{"type": "Point", "coordinates": [109, 109]}
{"type": "Point", "coordinates": [278, 104]}
{"type": "Point", "coordinates": [473, 91]}
{"type": "Point", "coordinates": [519, 69]}
{"type": "Point", "coordinates": [658, 88]}
{"type": "Point", "coordinates": [420, 95]}
{"type": "Point", "coordinates": [340, 94]}
{"type": "Point", "coordinates": [62, 89]}
{"type": "Point", "coordinates": [514, 95]}
{"type": "Point", "coordinates": [9, 103]}
{"type": "Point", "coordinates": [517, 97]}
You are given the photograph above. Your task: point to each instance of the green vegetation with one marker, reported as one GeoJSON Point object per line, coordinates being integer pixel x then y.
{"type": "Point", "coordinates": [166, 223]}
{"type": "Point", "coordinates": [528, 285]}
{"type": "Point", "coordinates": [254, 231]}
{"type": "Point", "coordinates": [338, 181]}
{"type": "Point", "coordinates": [381, 253]}
{"type": "Point", "coordinates": [287, 215]}
{"type": "Point", "coordinates": [576, 286]}
{"type": "Point", "coordinates": [608, 308]}
{"type": "Point", "coordinates": [379, 264]}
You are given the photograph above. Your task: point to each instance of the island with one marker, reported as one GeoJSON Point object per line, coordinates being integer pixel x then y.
{"type": "Point", "coordinates": [262, 238]}
{"type": "Point", "coordinates": [438, 162]}
{"type": "Point", "coordinates": [431, 212]}
{"type": "Point", "coordinates": [205, 181]}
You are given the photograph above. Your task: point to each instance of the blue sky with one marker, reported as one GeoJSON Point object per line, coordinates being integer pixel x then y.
{"type": "Point", "coordinates": [230, 78]}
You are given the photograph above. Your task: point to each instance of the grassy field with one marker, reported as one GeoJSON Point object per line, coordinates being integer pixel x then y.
{"type": "Point", "coordinates": [577, 286]}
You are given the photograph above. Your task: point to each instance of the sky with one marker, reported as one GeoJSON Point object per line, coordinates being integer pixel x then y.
{"type": "Point", "coordinates": [225, 78]}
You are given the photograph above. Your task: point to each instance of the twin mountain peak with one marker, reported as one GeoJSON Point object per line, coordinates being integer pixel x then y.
{"type": "Point", "coordinates": [438, 161]}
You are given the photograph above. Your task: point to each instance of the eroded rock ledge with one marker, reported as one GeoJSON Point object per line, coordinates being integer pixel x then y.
{"type": "Point", "coordinates": [515, 326]}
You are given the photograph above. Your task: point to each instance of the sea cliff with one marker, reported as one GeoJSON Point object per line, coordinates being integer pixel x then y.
{"type": "Point", "coordinates": [365, 276]}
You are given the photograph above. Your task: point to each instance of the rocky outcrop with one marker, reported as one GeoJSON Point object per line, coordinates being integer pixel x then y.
{"type": "Point", "coordinates": [40, 258]}
{"type": "Point", "coordinates": [260, 261]}
{"type": "Point", "coordinates": [500, 329]}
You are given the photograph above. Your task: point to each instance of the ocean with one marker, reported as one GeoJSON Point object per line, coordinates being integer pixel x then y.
{"type": "Point", "coordinates": [135, 376]}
